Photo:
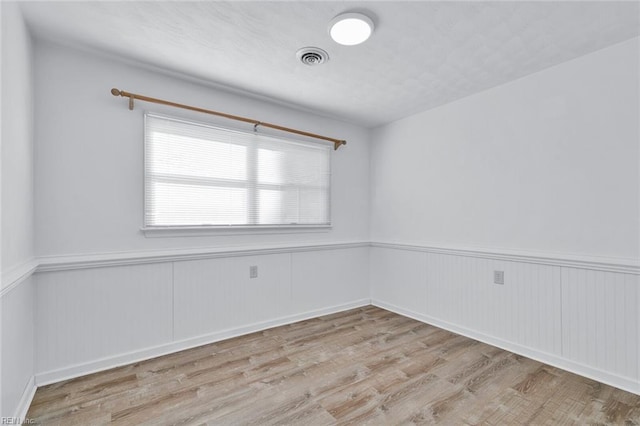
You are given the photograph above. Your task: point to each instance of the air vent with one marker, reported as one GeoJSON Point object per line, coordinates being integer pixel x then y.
{"type": "Point", "coordinates": [312, 56]}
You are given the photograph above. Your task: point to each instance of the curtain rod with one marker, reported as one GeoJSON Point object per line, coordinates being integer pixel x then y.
{"type": "Point", "coordinates": [256, 123]}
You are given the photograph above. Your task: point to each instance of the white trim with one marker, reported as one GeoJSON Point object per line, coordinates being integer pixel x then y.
{"type": "Point", "coordinates": [16, 275]}
{"type": "Point", "coordinates": [25, 400]}
{"type": "Point", "coordinates": [620, 382]}
{"type": "Point", "coordinates": [198, 231]}
{"type": "Point", "coordinates": [608, 264]}
{"type": "Point", "coordinates": [82, 261]}
{"type": "Point", "coordinates": [63, 263]}
{"type": "Point", "coordinates": [102, 364]}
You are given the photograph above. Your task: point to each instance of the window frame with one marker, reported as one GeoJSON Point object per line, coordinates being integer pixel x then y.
{"type": "Point", "coordinates": [241, 229]}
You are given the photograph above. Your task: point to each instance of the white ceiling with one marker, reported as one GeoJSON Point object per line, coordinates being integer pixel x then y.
{"type": "Point", "coordinates": [421, 55]}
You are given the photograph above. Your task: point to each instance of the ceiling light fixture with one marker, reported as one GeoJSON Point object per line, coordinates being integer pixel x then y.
{"type": "Point", "coordinates": [350, 29]}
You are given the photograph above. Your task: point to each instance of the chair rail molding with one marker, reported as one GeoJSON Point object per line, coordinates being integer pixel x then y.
{"type": "Point", "coordinates": [597, 263]}
{"type": "Point", "coordinates": [12, 277]}
{"type": "Point", "coordinates": [83, 261]}
{"type": "Point", "coordinates": [15, 275]}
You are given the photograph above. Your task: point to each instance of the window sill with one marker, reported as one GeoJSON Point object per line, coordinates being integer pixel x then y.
{"type": "Point", "coordinates": [201, 231]}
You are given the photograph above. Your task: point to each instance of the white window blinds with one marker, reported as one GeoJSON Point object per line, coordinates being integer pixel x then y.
{"type": "Point", "coordinates": [201, 175]}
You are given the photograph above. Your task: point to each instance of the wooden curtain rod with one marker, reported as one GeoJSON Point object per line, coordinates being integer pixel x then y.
{"type": "Point", "coordinates": [256, 123]}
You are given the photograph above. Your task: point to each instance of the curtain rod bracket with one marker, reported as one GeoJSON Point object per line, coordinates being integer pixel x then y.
{"type": "Point", "coordinates": [131, 103]}
{"type": "Point", "coordinates": [255, 126]}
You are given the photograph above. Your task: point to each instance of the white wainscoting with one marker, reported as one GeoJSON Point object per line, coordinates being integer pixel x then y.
{"type": "Point", "coordinates": [600, 320]}
{"type": "Point", "coordinates": [329, 278]}
{"type": "Point", "coordinates": [582, 319]}
{"type": "Point", "coordinates": [217, 294]}
{"type": "Point", "coordinates": [91, 313]}
{"type": "Point", "coordinates": [92, 317]}
{"type": "Point", "coordinates": [17, 343]}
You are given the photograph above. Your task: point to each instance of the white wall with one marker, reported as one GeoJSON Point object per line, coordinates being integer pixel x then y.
{"type": "Point", "coordinates": [17, 141]}
{"type": "Point", "coordinates": [537, 178]}
{"type": "Point", "coordinates": [547, 163]}
{"type": "Point", "coordinates": [17, 228]}
{"type": "Point", "coordinates": [89, 178]}
{"type": "Point", "coordinates": [1, 135]}
{"type": "Point", "coordinates": [98, 306]}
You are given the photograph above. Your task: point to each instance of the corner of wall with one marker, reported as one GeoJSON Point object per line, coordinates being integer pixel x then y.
{"type": "Point", "coordinates": [17, 248]}
{"type": "Point", "coordinates": [1, 137]}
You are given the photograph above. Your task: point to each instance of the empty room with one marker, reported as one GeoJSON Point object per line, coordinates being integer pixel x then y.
{"type": "Point", "coordinates": [320, 213]}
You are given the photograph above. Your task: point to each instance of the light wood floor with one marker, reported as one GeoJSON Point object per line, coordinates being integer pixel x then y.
{"type": "Point", "coordinates": [363, 366]}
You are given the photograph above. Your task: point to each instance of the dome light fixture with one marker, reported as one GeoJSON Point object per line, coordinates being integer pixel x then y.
{"type": "Point", "coordinates": [350, 29]}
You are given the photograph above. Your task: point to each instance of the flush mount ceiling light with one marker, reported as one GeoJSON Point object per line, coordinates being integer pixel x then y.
{"type": "Point", "coordinates": [350, 29]}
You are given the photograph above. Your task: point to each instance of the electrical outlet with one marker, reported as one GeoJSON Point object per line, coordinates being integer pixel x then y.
{"type": "Point", "coordinates": [253, 272]}
{"type": "Point", "coordinates": [498, 277]}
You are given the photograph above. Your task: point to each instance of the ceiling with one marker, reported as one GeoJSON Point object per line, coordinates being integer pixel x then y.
{"type": "Point", "coordinates": [422, 53]}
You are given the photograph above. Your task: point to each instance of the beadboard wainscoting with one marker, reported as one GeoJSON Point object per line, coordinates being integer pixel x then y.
{"type": "Point", "coordinates": [97, 313]}
{"type": "Point", "coordinates": [90, 313]}
{"type": "Point", "coordinates": [17, 338]}
{"type": "Point", "coordinates": [581, 316]}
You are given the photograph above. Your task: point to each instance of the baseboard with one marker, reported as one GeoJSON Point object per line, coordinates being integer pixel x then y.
{"type": "Point", "coordinates": [620, 382]}
{"type": "Point", "coordinates": [107, 363]}
{"type": "Point", "coordinates": [25, 400]}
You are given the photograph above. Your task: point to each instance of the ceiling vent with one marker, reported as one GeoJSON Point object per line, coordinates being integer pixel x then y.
{"type": "Point", "coordinates": [312, 56]}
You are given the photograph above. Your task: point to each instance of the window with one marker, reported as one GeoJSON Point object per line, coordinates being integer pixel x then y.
{"type": "Point", "coordinates": [198, 175]}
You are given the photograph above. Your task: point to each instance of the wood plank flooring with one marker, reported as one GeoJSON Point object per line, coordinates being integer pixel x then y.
{"type": "Point", "coordinates": [363, 366]}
